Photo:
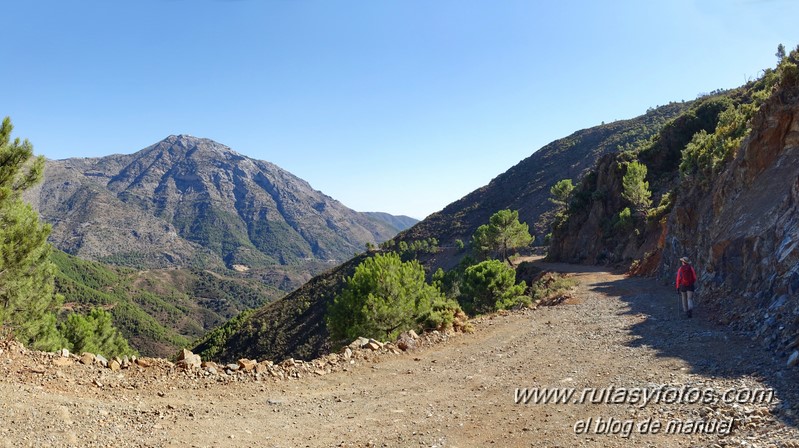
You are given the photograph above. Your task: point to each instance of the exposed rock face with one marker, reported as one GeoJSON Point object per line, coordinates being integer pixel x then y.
{"type": "Point", "coordinates": [583, 238]}
{"type": "Point", "coordinates": [744, 233]}
{"type": "Point", "coordinates": [594, 231]}
{"type": "Point", "coordinates": [594, 235]}
{"type": "Point", "coordinates": [190, 200]}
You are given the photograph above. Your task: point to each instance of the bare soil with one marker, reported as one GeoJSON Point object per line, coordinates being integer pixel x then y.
{"type": "Point", "coordinates": [612, 332]}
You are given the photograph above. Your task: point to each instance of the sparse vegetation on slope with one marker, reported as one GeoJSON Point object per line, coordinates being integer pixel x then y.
{"type": "Point", "coordinates": [689, 152]}
{"type": "Point", "coordinates": [293, 326]}
{"type": "Point", "coordinates": [159, 311]}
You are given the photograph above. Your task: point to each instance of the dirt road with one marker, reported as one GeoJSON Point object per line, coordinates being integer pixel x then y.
{"type": "Point", "coordinates": [618, 339]}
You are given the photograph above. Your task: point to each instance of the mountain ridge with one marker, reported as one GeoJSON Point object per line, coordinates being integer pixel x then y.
{"type": "Point", "coordinates": [201, 204]}
{"type": "Point", "coordinates": [399, 222]}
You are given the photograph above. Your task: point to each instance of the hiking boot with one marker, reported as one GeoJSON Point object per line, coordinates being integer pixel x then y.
{"type": "Point", "coordinates": [690, 313]}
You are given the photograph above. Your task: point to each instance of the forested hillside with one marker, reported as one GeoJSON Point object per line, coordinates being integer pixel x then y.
{"type": "Point", "coordinates": [158, 311]}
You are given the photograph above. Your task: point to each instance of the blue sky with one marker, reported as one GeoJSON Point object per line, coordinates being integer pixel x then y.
{"type": "Point", "coordinates": [400, 106]}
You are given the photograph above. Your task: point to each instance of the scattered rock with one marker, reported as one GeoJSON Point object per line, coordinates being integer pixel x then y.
{"type": "Point", "coordinates": [115, 365]}
{"type": "Point", "coordinates": [100, 359]}
{"type": "Point", "coordinates": [87, 358]}
{"type": "Point", "coordinates": [144, 362]}
{"type": "Point", "coordinates": [359, 343]}
{"type": "Point", "coordinates": [62, 362]}
{"type": "Point", "coordinates": [793, 359]}
{"type": "Point", "coordinates": [188, 360]}
{"type": "Point", "coordinates": [247, 364]}
{"type": "Point", "coordinates": [289, 363]}
{"type": "Point", "coordinates": [406, 342]}
{"type": "Point", "coordinates": [64, 353]}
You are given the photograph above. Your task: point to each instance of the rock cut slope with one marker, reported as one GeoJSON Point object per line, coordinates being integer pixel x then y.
{"type": "Point", "coordinates": [188, 200]}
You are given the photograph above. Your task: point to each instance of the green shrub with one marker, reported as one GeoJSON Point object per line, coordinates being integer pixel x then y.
{"type": "Point", "coordinates": [561, 192]}
{"type": "Point", "coordinates": [442, 314]}
{"type": "Point", "coordinates": [384, 297]}
{"type": "Point", "coordinates": [491, 285]}
{"type": "Point", "coordinates": [624, 219]}
{"type": "Point", "coordinates": [550, 286]}
{"type": "Point", "coordinates": [635, 187]}
{"type": "Point", "coordinates": [788, 73]}
{"type": "Point", "coordinates": [666, 203]}
{"type": "Point", "coordinates": [706, 154]}
{"type": "Point", "coordinates": [94, 333]}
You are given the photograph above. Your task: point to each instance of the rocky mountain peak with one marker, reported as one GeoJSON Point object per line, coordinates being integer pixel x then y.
{"type": "Point", "coordinates": [185, 196]}
{"type": "Point", "coordinates": [182, 146]}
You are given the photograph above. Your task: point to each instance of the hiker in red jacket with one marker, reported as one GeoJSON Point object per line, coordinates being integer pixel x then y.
{"type": "Point", "coordinates": [686, 277]}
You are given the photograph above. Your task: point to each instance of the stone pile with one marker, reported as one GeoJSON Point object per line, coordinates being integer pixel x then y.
{"type": "Point", "coordinates": [191, 365]}
{"type": "Point", "coordinates": [361, 349]}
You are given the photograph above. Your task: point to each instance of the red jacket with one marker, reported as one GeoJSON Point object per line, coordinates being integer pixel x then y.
{"type": "Point", "coordinates": [686, 276]}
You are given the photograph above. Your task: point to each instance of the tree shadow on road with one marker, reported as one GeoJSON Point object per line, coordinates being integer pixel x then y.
{"type": "Point", "coordinates": [710, 349]}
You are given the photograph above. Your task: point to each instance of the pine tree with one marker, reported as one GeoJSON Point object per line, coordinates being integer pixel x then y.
{"type": "Point", "coordinates": [383, 298]}
{"type": "Point", "coordinates": [502, 234]}
{"type": "Point", "coordinates": [780, 52]}
{"type": "Point", "coordinates": [482, 242]}
{"type": "Point", "coordinates": [561, 192]}
{"type": "Point", "coordinates": [27, 301]}
{"type": "Point", "coordinates": [635, 187]}
{"type": "Point", "coordinates": [95, 333]}
{"type": "Point", "coordinates": [491, 285]}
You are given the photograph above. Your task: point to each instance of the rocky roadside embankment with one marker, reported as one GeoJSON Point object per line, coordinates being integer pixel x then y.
{"type": "Point", "coordinates": [16, 360]}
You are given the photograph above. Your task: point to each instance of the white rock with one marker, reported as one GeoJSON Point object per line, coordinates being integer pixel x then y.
{"type": "Point", "coordinates": [793, 359]}
{"type": "Point", "coordinates": [101, 359]}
